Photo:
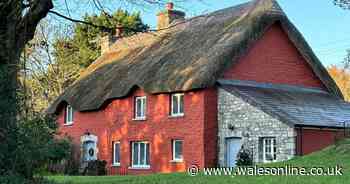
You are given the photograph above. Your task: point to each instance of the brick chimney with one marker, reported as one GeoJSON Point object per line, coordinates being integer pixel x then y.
{"type": "Point", "coordinates": [109, 38]}
{"type": "Point", "coordinates": [167, 16]}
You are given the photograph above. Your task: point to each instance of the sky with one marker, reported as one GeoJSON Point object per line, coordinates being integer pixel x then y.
{"type": "Point", "coordinates": [325, 27]}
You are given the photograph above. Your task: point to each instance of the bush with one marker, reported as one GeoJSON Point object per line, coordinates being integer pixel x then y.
{"type": "Point", "coordinates": [68, 166]}
{"type": "Point", "coordinates": [244, 157]}
{"type": "Point", "coordinates": [96, 168]}
{"type": "Point", "coordinates": [16, 179]}
{"type": "Point", "coordinates": [35, 147]}
{"type": "Point", "coordinates": [12, 179]}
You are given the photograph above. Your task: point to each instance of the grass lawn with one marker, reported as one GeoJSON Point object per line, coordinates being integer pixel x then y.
{"type": "Point", "coordinates": [330, 157]}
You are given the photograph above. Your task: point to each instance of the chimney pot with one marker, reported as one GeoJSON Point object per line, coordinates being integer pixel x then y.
{"type": "Point", "coordinates": [170, 6]}
{"type": "Point", "coordinates": [169, 15]}
{"type": "Point", "coordinates": [119, 31]}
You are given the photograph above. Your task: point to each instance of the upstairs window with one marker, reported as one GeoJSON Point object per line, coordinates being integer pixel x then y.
{"type": "Point", "coordinates": [177, 150]}
{"type": "Point", "coordinates": [177, 104]}
{"type": "Point", "coordinates": [269, 149]}
{"type": "Point", "coordinates": [116, 154]}
{"type": "Point", "coordinates": [140, 108]}
{"type": "Point", "coordinates": [69, 115]}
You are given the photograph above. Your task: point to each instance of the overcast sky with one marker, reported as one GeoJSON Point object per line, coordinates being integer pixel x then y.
{"type": "Point", "coordinates": [326, 27]}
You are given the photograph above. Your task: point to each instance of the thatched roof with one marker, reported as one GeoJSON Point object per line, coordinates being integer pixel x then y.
{"type": "Point", "coordinates": [190, 55]}
{"type": "Point", "coordinates": [290, 104]}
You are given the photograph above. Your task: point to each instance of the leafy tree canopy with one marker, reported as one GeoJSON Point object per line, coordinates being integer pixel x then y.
{"type": "Point", "coordinates": [83, 47]}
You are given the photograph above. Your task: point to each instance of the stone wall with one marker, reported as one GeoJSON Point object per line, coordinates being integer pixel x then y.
{"type": "Point", "coordinates": [251, 124]}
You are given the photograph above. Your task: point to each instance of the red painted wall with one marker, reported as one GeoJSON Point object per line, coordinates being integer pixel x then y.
{"type": "Point", "coordinates": [311, 140]}
{"type": "Point", "coordinates": [210, 127]}
{"type": "Point", "coordinates": [114, 123]}
{"type": "Point", "coordinates": [274, 59]}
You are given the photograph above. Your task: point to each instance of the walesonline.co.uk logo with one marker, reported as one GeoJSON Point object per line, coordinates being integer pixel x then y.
{"type": "Point", "coordinates": [287, 170]}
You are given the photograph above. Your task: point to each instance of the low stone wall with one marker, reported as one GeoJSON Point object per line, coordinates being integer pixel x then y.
{"type": "Point", "coordinates": [237, 118]}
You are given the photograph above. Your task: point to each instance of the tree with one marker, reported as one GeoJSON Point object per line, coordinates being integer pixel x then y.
{"type": "Point", "coordinates": [84, 47]}
{"type": "Point", "coordinates": [18, 22]}
{"type": "Point", "coordinates": [343, 3]}
{"type": "Point", "coordinates": [341, 75]}
{"type": "Point", "coordinates": [53, 66]}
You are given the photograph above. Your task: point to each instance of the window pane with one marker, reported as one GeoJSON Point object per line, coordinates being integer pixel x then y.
{"type": "Point", "coordinates": [142, 154]}
{"type": "Point", "coordinates": [135, 154]}
{"type": "Point", "coordinates": [67, 115]}
{"type": "Point", "coordinates": [138, 107]}
{"type": "Point", "coordinates": [71, 113]}
{"type": "Point", "coordinates": [116, 153]}
{"type": "Point", "coordinates": [270, 149]}
{"type": "Point", "coordinates": [147, 154]}
{"type": "Point", "coordinates": [178, 149]}
{"type": "Point", "coordinates": [174, 105]}
{"type": "Point", "coordinates": [143, 107]}
{"type": "Point", "coordinates": [181, 104]}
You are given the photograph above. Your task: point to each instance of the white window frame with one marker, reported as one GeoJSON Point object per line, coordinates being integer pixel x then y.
{"type": "Point", "coordinates": [69, 113]}
{"type": "Point", "coordinates": [178, 97]}
{"type": "Point", "coordinates": [143, 108]}
{"type": "Point", "coordinates": [272, 146]}
{"type": "Point", "coordinates": [114, 161]}
{"type": "Point", "coordinates": [147, 156]}
{"type": "Point", "coordinates": [174, 150]}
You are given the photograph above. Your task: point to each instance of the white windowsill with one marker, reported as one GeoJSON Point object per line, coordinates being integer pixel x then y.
{"type": "Point", "coordinates": [177, 161]}
{"type": "Point", "coordinates": [115, 164]}
{"type": "Point", "coordinates": [139, 119]}
{"type": "Point", "coordinates": [176, 115]}
{"type": "Point", "coordinates": [68, 124]}
{"type": "Point", "coordinates": [140, 167]}
{"type": "Point", "coordinates": [269, 161]}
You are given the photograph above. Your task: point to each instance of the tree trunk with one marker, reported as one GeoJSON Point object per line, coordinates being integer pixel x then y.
{"type": "Point", "coordinates": [9, 102]}
{"type": "Point", "coordinates": [16, 30]}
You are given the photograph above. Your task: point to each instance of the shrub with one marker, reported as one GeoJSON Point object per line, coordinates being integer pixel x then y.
{"type": "Point", "coordinates": [35, 146]}
{"type": "Point", "coordinates": [244, 157]}
{"type": "Point", "coordinates": [96, 168]}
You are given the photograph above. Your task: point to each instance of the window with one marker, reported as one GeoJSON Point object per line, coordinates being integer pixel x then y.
{"type": "Point", "coordinates": [177, 104]}
{"type": "Point", "coordinates": [69, 115]}
{"type": "Point", "coordinates": [177, 150]}
{"type": "Point", "coordinates": [140, 108]}
{"type": "Point", "coordinates": [116, 154]}
{"type": "Point", "coordinates": [140, 154]}
{"type": "Point", "coordinates": [269, 149]}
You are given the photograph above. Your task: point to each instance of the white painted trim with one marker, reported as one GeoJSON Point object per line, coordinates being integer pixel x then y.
{"type": "Point", "coordinates": [143, 108]}
{"type": "Point", "coordinates": [116, 163]}
{"type": "Point", "coordinates": [178, 97]}
{"type": "Point", "coordinates": [272, 146]}
{"type": "Point", "coordinates": [173, 145]}
{"type": "Point", "coordinates": [137, 166]}
{"type": "Point", "coordinates": [140, 167]}
{"type": "Point", "coordinates": [69, 115]}
{"type": "Point", "coordinates": [86, 138]}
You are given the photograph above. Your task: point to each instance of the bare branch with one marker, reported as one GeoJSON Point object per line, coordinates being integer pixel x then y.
{"type": "Point", "coordinates": [345, 4]}
{"type": "Point", "coordinates": [37, 11]}
{"type": "Point", "coordinates": [103, 28]}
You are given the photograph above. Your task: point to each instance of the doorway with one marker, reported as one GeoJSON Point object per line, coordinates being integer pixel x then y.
{"type": "Point", "coordinates": [233, 145]}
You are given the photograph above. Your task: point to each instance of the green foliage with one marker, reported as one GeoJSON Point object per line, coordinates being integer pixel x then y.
{"type": "Point", "coordinates": [83, 48]}
{"type": "Point", "coordinates": [36, 146]}
{"type": "Point", "coordinates": [244, 157]}
{"type": "Point", "coordinates": [96, 168]}
{"type": "Point", "coordinates": [54, 67]}
{"type": "Point", "coordinates": [330, 157]}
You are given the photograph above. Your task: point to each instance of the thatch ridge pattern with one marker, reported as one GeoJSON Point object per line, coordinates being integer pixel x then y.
{"type": "Point", "coordinates": [191, 55]}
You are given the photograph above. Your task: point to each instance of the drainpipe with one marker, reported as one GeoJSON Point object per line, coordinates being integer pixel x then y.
{"type": "Point", "coordinates": [300, 141]}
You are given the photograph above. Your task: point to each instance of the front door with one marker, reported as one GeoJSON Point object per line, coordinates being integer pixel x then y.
{"type": "Point", "coordinates": [89, 151]}
{"type": "Point", "coordinates": [233, 146]}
